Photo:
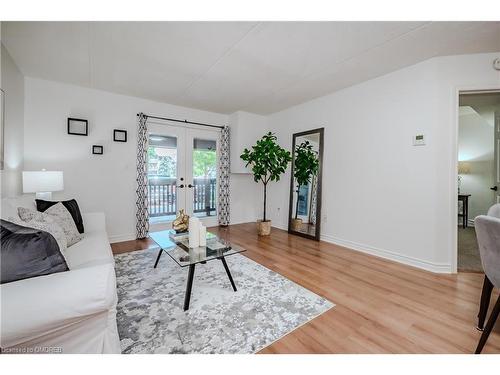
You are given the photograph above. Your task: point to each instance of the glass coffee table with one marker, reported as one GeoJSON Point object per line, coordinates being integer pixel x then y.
{"type": "Point", "coordinates": [178, 249]}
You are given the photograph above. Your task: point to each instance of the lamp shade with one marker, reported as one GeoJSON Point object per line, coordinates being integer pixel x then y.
{"type": "Point", "coordinates": [463, 167]}
{"type": "Point", "coordinates": [42, 181]}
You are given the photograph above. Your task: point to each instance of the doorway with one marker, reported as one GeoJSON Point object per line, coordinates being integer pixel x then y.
{"type": "Point", "coordinates": [478, 169]}
{"type": "Point", "coordinates": [182, 174]}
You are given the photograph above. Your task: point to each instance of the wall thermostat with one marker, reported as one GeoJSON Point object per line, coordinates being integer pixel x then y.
{"type": "Point", "coordinates": [496, 64]}
{"type": "Point", "coordinates": [419, 140]}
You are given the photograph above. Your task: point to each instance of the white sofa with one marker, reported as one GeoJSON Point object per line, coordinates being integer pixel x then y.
{"type": "Point", "coordinates": [68, 312]}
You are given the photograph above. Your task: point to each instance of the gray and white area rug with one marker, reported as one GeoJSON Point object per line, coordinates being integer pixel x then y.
{"type": "Point", "coordinates": [151, 318]}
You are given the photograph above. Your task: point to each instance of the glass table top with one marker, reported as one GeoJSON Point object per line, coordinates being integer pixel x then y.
{"type": "Point", "coordinates": [177, 247]}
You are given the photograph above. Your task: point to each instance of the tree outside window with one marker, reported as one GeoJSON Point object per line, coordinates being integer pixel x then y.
{"type": "Point", "coordinates": [162, 161]}
{"type": "Point", "coordinates": [204, 164]}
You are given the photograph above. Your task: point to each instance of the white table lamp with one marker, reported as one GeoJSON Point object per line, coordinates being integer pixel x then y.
{"type": "Point", "coordinates": [43, 183]}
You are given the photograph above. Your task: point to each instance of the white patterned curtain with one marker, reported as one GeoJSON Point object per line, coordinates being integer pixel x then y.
{"type": "Point", "coordinates": [142, 215]}
{"type": "Point", "coordinates": [224, 213]}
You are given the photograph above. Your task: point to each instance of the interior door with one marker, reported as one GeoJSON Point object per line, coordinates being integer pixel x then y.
{"type": "Point", "coordinates": [202, 151]}
{"type": "Point", "coordinates": [496, 188]}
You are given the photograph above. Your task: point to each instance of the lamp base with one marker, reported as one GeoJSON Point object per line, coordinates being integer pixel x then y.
{"type": "Point", "coordinates": [45, 195]}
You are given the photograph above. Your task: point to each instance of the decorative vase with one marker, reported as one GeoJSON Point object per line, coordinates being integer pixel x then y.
{"type": "Point", "coordinates": [296, 225]}
{"type": "Point", "coordinates": [203, 235]}
{"type": "Point", "coordinates": [264, 227]}
{"type": "Point", "coordinates": [181, 222]}
{"type": "Point", "coordinates": [194, 232]}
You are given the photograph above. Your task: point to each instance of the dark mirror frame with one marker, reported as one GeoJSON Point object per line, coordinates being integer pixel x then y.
{"type": "Point", "coordinates": [316, 236]}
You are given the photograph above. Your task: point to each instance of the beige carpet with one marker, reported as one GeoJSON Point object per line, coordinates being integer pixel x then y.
{"type": "Point", "coordinates": [468, 252]}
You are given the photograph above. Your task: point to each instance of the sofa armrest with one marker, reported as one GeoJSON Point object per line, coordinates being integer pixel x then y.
{"type": "Point", "coordinates": [94, 221]}
{"type": "Point", "coordinates": [35, 307]}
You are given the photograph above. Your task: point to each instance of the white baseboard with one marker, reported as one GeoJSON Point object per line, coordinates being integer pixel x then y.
{"type": "Point", "coordinates": [386, 254]}
{"type": "Point", "coordinates": [243, 221]}
{"type": "Point", "coordinates": [121, 237]}
{"type": "Point", "coordinates": [367, 249]}
{"type": "Point", "coordinates": [279, 226]}
{"type": "Point", "coordinates": [390, 255]}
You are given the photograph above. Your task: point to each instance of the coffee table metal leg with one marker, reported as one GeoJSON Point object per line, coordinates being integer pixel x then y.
{"type": "Point", "coordinates": [158, 258]}
{"type": "Point", "coordinates": [228, 273]}
{"type": "Point", "coordinates": [189, 287]}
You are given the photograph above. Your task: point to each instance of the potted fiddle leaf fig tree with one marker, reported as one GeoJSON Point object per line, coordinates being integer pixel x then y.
{"type": "Point", "coordinates": [305, 166]}
{"type": "Point", "coordinates": [268, 161]}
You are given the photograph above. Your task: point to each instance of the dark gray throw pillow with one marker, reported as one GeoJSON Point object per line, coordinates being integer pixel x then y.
{"type": "Point", "coordinates": [27, 252]}
{"type": "Point", "coordinates": [71, 205]}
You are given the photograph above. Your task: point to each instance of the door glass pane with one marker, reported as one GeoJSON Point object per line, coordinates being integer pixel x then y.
{"type": "Point", "coordinates": [204, 177]}
{"type": "Point", "coordinates": [162, 177]}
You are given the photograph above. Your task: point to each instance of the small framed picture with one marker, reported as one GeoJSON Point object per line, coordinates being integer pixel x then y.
{"type": "Point", "coordinates": [78, 126]}
{"type": "Point", "coordinates": [97, 150]}
{"type": "Point", "coordinates": [119, 135]}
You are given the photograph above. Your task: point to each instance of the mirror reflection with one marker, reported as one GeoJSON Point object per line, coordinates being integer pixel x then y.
{"type": "Point", "coordinates": [305, 189]}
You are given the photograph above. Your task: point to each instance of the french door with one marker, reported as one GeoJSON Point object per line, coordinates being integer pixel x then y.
{"type": "Point", "coordinates": [182, 173]}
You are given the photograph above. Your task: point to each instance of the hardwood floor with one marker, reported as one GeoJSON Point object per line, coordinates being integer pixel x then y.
{"type": "Point", "coordinates": [381, 306]}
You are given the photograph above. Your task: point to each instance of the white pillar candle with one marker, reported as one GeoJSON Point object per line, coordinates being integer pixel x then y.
{"type": "Point", "coordinates": [194, 235]}
{"type": "Point", "coordinates": [203, 235]}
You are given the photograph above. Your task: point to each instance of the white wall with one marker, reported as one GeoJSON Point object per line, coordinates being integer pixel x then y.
{"type": "Point", "coordinates": [246, 197]}
{"type": "Point", "coordinates": [246, 128]}
{"type": "Point", "coordinates": [381, 194]}
{"type": "Point", "coordinates": [103, 183]}
{"type": "Point", "coordinates": [12, 82]}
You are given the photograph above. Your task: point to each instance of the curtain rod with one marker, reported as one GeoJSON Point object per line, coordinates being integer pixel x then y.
{"type": "Point", "coordinates": [183, 121]}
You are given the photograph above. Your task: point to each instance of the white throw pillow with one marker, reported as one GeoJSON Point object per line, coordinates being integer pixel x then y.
{"type": "Point", "coordinates": [28, 214]}
{"type": "Point", "coordinates": [42, 222]}
{"type": "Point", "coordinates": [62, 217]}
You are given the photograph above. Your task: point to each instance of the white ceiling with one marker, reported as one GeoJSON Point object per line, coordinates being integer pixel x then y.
{"type": "Point", "coordinates": [480, 99]}
{"type": "Point", "coordinates": [260, 67]}
{"type": "Point", "coordinates": [484, 105]}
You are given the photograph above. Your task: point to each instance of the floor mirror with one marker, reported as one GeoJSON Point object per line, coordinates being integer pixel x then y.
{"type": "Point", "coordinates": [304, 218]}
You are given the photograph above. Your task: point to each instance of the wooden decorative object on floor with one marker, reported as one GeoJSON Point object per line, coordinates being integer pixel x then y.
{"type": "Point", "coordinates": [296, 224]}
{"type": "Point", "coordinates": [264, 227]}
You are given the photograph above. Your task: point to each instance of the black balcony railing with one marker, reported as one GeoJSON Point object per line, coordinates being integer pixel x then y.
{"type": "Point", "coordinates": [204, 195]}
{"type": "Point", "coordinates": [162, 193]}
{"type": "Point", "coordinates": [162, 197]}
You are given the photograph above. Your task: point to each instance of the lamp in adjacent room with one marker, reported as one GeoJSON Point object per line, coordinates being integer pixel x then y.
{"type": "Point", "coordinates": [43, 183]}
{"type": "Point", "coordinates": [463, 168]}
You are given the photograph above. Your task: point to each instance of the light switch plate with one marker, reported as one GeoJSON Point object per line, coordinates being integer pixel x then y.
{"type": "Point", "coordinates": [419, 140]}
